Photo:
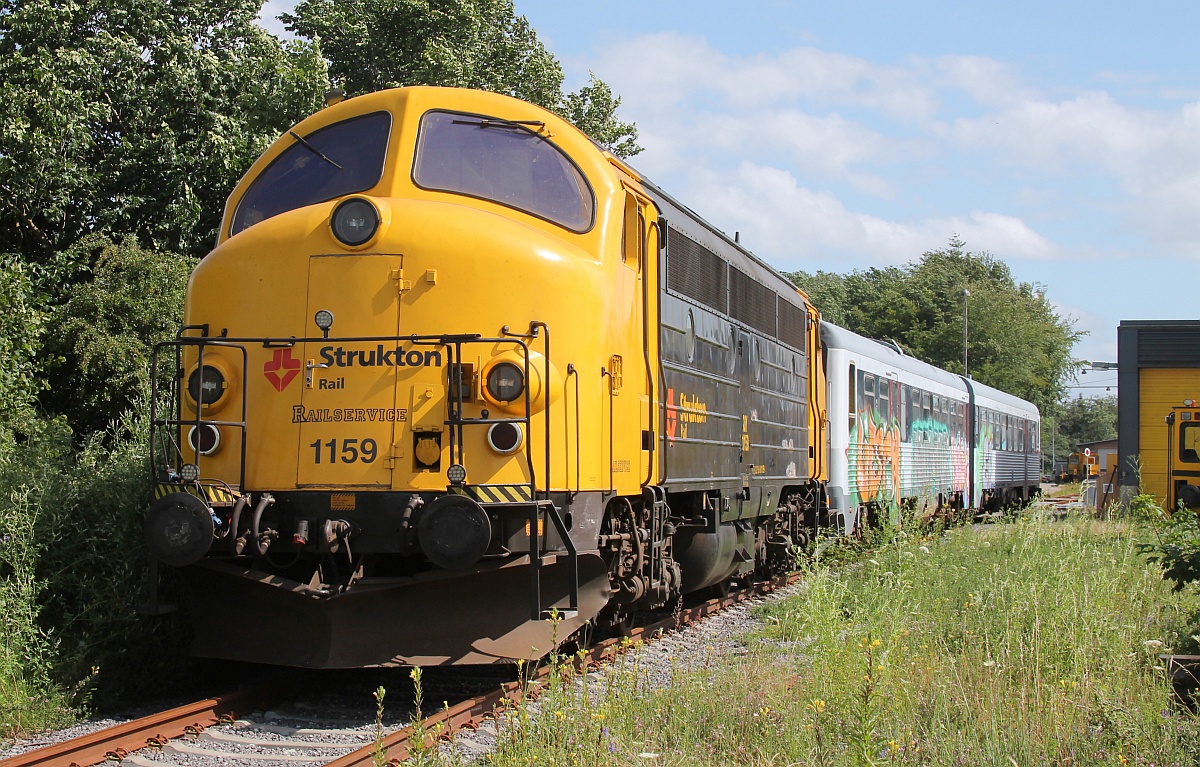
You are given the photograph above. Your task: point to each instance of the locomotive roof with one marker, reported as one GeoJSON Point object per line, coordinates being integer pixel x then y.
{"type": "Point", "coordinates": [694, 225]}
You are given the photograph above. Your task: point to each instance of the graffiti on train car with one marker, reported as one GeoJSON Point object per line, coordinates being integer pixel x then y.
{"type": "Point", "coordinates": [875, 459]}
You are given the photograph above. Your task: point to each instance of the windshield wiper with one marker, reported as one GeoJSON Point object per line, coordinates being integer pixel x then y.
{"type": "Point", "coordinates": [494, 123]}
{"type": "Point", "coordinates": [313, 149]}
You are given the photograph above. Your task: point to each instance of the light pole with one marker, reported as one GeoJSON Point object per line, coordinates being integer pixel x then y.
{"type": "Point", "coordinates": [966, 299]}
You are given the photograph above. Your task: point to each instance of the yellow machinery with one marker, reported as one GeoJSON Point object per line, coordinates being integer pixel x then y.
{"type": "Point", "coordinates": [452, 370]}
{"type": "Point", "coordinates": [1183, 455]}
{"type": "Point", "coordinates": [1079, 466]}
{"type": "Point", "coordinates": [1158, 373]}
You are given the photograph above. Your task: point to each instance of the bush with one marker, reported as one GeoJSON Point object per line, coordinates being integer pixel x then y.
{"type": "Point", "coordinates": [101, 334]}
{"type": "Point", "coordinates": [73, 576]}
{"type": "Point", "coordinates": [1178, 547]}
{"type": "Point", "coordinates": [20, 342]}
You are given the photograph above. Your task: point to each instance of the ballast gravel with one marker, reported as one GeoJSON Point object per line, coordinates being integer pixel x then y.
{"type": "Point", "coordinates": [292, 738]}
{"type": "Point", "coordinates": [693, 646]}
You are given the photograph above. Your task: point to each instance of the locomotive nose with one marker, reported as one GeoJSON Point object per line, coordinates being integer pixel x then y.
{"type": "Point", "coordinates": [454, 532]}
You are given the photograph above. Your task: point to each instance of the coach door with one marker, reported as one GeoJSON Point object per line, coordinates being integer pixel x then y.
{"type": "Point", "coordinates": [349, 396]}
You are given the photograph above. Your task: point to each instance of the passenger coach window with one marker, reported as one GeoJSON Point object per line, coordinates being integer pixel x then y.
{"type": "Point", "coordinates": [338, 159]}
{"type": "Point", "coordinates": [505, 162]}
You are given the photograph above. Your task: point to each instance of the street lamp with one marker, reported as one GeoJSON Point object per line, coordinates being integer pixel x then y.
{"type": "Point", "coordinates": [966, 296]}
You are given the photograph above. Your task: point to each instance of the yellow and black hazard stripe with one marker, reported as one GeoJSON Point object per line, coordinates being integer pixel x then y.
{"type": "Point", "coordinates": [210, 493]}
{"type": "Point", "coordinates": [500, 493]}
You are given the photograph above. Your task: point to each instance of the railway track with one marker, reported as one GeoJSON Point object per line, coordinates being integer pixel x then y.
{"type": "Point", "coordinates": [254, 726]}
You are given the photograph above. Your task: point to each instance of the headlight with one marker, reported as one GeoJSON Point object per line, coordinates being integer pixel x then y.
{"type": "Point", "coordinates": [189, 472]}
{"type": "Point", "coordinates": [355, 221]}
{"type": "Point", "coordinates": [206, 385]}
{"type": "Point", "coordinates": [204, 439]}
{"type": "Point", "coordinates": [506, 438]}
{"type": "Point", "coordinates": [505, 382]}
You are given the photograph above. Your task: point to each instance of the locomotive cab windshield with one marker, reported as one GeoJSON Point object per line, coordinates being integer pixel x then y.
{"type": "Point", "coordinates": [337, 160]}
{"type": "Point", "coordinates": [505, 162]}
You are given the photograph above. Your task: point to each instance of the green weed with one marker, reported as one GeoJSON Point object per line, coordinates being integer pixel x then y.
{"type": "Point", "coordinates": [1019, 643]}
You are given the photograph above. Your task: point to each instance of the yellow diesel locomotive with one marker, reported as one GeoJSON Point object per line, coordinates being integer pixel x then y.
{"type": "Point", "coordinates": [451, 370]}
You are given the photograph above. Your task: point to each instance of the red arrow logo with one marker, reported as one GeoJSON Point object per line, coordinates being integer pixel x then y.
{"type": "Point", "coordinates": [282, 368]}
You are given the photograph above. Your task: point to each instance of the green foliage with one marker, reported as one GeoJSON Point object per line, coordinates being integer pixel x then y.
{"type": "Point", "coordinates": [1177, 549]}
{"type": "Point", "coordinates": [483, 44]}
{"type": "Point", "coordinates": [100, 337]}
{"type": "Point", "coordinates": [1025, 643]}
{"type": "Point", "coordinates": [29, 697]}
{"type": "Point", "coordinates": [72, 587]}
{"type": "Point", "coordinates": [1080, 420]}
{"type": "Point", "coordinates": [457, 43]}
{"type": "Point", "coordinates": [20, 343]}
{"type": "Point", "coordinates": [1017, 342]}
{"type": "Point", "coordinates": [593, 109]}
{"type": "Point", "coordinates": [137, 118]}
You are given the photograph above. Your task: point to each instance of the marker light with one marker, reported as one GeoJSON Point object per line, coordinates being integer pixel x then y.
{"type": "Point", "coordinates": [204, 440]}
{"type": "Point", "coordinates": [1189, 403]}
{"type": "Point", "coordinates": [457, 474]}
{"type": "Point", "coordinates": [505, 382]}
{"type": "Point", "coordinates": [506, 438]}
{"type": "Point", "coordinates": [354, 221]}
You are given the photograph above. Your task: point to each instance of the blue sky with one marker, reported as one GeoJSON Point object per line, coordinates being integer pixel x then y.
{"type": "Point", "coordinates": [1061, 137]}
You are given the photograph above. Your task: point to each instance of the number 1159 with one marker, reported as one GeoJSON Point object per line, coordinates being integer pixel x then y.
{"type": "Point", "coordinates": [344, 451]}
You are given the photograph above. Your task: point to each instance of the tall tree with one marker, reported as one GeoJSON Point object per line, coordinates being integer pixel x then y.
{"type": "Point", "coordinates": [484, 44]}
{"type": "Point", "coordinates": [1016, 341]}
{"type": "Point", "coordinates": [1085, 419]}
{"type": "Point", "coordinates": [99, 339]}
{"type": "Point", "coordinates": [137, 116]}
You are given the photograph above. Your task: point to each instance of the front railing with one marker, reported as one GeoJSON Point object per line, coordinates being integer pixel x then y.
{"type": "Point", "coordinates": [167, 454]}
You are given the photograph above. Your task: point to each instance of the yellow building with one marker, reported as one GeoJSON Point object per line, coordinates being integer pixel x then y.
{"type": "Point", "coordinates": [1159, 384]}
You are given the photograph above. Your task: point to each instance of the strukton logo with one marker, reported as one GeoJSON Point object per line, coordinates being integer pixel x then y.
{"type": "Point", "coordinates": [282, 368]}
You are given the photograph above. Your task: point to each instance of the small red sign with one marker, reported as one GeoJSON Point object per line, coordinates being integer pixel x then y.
{"type": "Point", "coordinates": [282, 368]}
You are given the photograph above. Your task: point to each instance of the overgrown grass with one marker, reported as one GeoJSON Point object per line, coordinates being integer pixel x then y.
{"type": "Point", "coordinates": [1016, 644]}
{"type": "Point", "coordinates": [1068, 488]}
{"type": "Point", "coordinates": [72, 574]}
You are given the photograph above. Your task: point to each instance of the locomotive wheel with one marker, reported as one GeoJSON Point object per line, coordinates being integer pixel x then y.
{"type": "Point", "coordinates": [616, 621]}
{"type": "Point", "coordinates": [721, 589]}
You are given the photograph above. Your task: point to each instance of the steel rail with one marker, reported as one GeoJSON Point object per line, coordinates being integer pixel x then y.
{"type": "Point", "coordinates": [470, 713]}
{"type": "Point", "coordinates": [156, 730]}
{"type": "Point", "coordinates": [115, 743]}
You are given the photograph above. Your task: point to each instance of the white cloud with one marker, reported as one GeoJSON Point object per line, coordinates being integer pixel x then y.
{"type": "Point", "coordinates": [687, 70]}
{"type": "Point", "coordinates": [986, 81]}
{"type": "Point", "coordinates": [268, 17]}
{"type": "Point", "coordinates": [961, 136]}
{"type": "Point", "coordinates": [795, 227]}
